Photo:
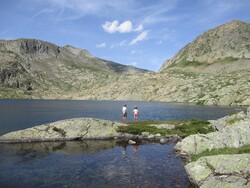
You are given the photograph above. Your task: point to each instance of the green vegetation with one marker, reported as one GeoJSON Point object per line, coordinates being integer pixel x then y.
{"type": "Point", "coordinates": [224, 151]}
{"type": "Point", "coordinates": [248, 46]}
{"type": "Point", "coordinates": [186, 63]}
{"type": "Point", "coordinates": [142, 126]}
{"type": "Point", "coordinates": [226, 60]}
{"type": "Point", "coordinates": [200, 102]}
{"type": "Point", "coordinates": [183, 128]}
{"type": "Point", "coordinates": [233, 121]}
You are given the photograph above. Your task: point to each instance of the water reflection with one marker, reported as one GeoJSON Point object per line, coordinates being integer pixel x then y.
{"type": "Point", "coordinates": [124, 150]}
{"type": "Point", "coordinates": [90, 164]}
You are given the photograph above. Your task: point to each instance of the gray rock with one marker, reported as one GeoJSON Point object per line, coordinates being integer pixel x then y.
{"type": "Point", "coordinates": [248, 113]}
{"type": "Point", "coordinates": [163, 140]}
{"type": "Point", "coordinates": [220, 171]}
{"type": "Point", "coordinates": [228, 120]}
{"type": "Point", "coordinates": [71, 129]}
{"type": "Point", "coordinates": [145, 134]}
{"type": "Point", "coordinates": [150, 137]}
{"type": "Point", "coordinates": [157, 135]}
{"type": "Point", "coordinates": [234, 131]}
{"type": "Point", "coordinates": [131, 142]}
{"type": "Point", "coordinates": [235, 136]}
{"type": "Point", "coordinates": [225, 181]}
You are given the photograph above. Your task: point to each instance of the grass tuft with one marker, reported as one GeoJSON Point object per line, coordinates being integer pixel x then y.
{"type": "Point", "coordinates": [182, 128]}
{"type": "Point", "coordinates": [224, 151]}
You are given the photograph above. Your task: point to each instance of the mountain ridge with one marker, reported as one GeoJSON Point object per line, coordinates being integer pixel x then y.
{"type": "Point", "coordinates": [71, 73]}
{"type": "Point", "coordinates": [225, 43]}
{"type": "Point", "coordinates": [38, 49]}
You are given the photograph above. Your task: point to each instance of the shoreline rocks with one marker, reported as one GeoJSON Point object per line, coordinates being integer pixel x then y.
{"type": "Point", "coordinates": [80, 129]}
{"type": "Point", "coordinates": [70, 129]}
{"type": "Point", "coordinates": [219, 170]}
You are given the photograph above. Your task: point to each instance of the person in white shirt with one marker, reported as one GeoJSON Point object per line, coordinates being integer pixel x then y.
{"type": "Point", "coordinates": [124, 113]}
{"type": "Point", "coordinates": [136, 113]}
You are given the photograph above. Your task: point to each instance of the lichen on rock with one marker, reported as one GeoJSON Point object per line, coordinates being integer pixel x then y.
{"type": "Point", "coordinates": [71, 129]}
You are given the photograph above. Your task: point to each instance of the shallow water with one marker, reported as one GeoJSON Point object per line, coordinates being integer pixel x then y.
{"type": "Point", "coordinates": [90, 164]}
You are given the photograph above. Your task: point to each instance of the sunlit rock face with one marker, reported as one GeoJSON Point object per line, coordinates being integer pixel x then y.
{"type": "Point", "coordinates": [71, 129]}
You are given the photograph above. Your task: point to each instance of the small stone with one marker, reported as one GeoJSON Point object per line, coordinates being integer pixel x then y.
{"type": "Point", "coordinates": [145, 133]}
{"type": "Point", "coordinates": [131, 142]}
{"type": "Point", "coordinates": [151, 136]}
{"type": "Point", "coordinates": [163, 140]}
{"type": "Point", "coordinates": [158, 135]}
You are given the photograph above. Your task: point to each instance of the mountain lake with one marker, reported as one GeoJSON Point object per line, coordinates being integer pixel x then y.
{"type": "Point", "coordinates": [93, 163]}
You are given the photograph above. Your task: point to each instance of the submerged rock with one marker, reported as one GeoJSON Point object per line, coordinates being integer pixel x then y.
{"type": "Point", "coordinates": [71, 129]}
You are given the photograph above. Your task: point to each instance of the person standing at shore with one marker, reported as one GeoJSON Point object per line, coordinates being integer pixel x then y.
{"type": "Point", "coordinates": [136, 113]}
{"type": "Point", "coordinates": [124, 113]}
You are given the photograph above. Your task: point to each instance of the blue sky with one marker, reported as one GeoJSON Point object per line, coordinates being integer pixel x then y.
{"type": "Point", "coordinates": [142, 33]}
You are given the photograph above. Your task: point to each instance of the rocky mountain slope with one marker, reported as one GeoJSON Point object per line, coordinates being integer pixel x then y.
{"type": "Point", "coordinates": [224, 80]}
{"type": "Point", "coordinates": [30, 67]}
{"type": "Point", "coordinates": [222, 48]}
{"type": "Point", "coordinates": [213, 69]}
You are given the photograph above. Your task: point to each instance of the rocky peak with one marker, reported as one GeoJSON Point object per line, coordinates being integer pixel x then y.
{"type": "Point", "coordinates": [229, 41]}
{"type": "Point", "coordinates": [77, 51]}
{"type": "Point", "coordinates": [30, 48]}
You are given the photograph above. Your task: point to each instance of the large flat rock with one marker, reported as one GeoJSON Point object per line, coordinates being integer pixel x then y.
{"type": "Point", "coordinates": [70, 129]}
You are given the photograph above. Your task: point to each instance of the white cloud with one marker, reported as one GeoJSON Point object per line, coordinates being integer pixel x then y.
{"type": "Point", "coordinates": [139, 38]}
{"type": "Point", "coordinates": [44, 11]}
{"type": "Point", "coordinates": [125, 27]}
{"type": "Point", "coordinates": [139, 28]}
{"type": "Point", "coordinates": [110, 27]}
{"type": "Point", "coordinates": [102, 45]}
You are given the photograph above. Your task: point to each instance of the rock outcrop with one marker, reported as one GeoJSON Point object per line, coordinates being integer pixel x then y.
{"type": "Point", "coordinates": [220, 170]}
{"type": "Point", "coordinates": [71, 129]}
{"type": "Point", "coordinates": [81, 129]}
{"type": "Point", "coordinates": [234, 131]}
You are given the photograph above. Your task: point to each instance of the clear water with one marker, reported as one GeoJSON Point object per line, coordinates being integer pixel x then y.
{"type": "Point", "coordinates": [93, 163]}
{"type": "Point", "coordinates": [20, 114]}
{"type": "Point", "coordinates": [90, 164]}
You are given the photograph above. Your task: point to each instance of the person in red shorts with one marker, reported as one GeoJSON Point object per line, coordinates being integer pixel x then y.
{"type": "Point", "coordinates": [136, 113]}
